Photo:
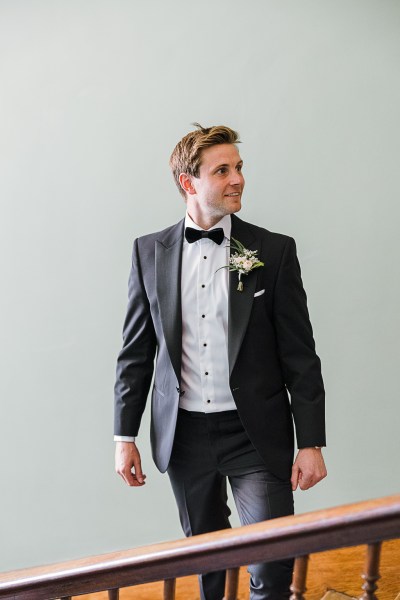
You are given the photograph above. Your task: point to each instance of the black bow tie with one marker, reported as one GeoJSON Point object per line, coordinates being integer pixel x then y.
{"type": "Point", "coordinates": [216, 235]}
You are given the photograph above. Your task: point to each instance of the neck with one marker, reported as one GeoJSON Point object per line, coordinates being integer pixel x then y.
{"type": "Point", "coordinates": [205, 222]}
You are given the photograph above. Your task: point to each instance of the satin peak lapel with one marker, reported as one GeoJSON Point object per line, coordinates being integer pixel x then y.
{"type": "Point", "coordinates": [240, 303]}
{"type": "Point", "coordinates": [168, 285]}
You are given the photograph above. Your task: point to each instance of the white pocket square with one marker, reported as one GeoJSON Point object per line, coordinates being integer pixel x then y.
{"type": "Point", "coordinates": [260, 293]}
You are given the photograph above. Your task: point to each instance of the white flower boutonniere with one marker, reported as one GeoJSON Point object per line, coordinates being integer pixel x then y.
{"type": "Point", "coordinates": [242, 260]}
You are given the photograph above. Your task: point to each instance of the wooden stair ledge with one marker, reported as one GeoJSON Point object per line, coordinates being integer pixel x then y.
{"type": "Point", "coordinates": [299, 535]}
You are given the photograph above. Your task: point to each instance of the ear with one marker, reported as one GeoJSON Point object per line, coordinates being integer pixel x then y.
{"type": "Point", "coordinates": [186, 184]}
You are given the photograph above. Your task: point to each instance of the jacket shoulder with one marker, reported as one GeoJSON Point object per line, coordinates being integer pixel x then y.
{"type": "Point", "coordinates": [167, 236]}
{"type": "Point", "coordinates": [272, 237]}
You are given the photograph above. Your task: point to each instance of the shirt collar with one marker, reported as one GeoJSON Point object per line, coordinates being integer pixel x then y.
{"type": "Point", "coordinates": [225, 223]}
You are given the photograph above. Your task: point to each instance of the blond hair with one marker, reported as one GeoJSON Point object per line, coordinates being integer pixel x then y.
{"type": "Point", "coordinates": [186, 156]}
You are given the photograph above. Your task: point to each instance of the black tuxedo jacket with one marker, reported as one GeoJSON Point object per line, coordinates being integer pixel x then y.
{"type": "Point", "coordinates": [270, 342]}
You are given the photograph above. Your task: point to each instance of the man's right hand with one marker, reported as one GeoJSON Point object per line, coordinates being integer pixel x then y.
{"type": "Point", "coordinates": [127, 459]}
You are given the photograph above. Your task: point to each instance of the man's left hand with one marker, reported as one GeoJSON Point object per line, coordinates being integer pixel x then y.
{"type": "Point", "coordinates": [308, 469]}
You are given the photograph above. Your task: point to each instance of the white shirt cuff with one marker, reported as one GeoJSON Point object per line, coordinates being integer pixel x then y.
{"type": "Point", "coordinates": [124, 438]}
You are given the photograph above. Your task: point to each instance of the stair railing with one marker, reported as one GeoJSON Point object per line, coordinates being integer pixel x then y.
{"type": "Point", "coordinates": [297, 536]}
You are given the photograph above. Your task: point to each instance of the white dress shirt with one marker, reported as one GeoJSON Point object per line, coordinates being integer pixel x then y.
{"type": "Point", "coordinates": [204, 293]}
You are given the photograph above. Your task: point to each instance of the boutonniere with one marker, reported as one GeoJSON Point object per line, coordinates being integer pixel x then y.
{"type": "Point", "coordinates": [242, 261]}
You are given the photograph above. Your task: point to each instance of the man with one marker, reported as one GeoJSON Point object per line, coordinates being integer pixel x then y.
{"type": "Point", "coordinates": [229, 346]}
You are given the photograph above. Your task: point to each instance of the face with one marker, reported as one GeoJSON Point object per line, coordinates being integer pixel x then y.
{"type": "Point", "coordinates": [218, 189]}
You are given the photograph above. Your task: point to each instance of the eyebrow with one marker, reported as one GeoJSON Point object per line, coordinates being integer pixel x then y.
{"type": "Point", "coordinates": [240, 162]}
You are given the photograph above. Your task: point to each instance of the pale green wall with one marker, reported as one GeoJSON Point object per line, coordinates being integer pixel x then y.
{"type": "Point", "coordinates": [93, 97]}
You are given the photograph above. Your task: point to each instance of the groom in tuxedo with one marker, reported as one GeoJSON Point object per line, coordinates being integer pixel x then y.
{"type": "Point", "coordinates": [235, 361]}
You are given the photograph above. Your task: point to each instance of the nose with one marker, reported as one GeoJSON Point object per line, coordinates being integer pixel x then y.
{"type": "Point", "coordinates": [237, 178]}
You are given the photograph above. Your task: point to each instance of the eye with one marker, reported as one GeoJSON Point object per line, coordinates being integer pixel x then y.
{"type": "Point", "coordinates": [222, 170]}
{"type": "Point", "coordinates": [239, 168]}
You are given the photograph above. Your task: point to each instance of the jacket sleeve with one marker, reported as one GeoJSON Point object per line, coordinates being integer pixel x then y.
{"type": "Point", "coordinates": [296, 348]}
{"type": "Point", "coordinates": [136, 359]}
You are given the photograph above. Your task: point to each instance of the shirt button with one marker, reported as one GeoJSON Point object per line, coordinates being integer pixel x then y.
{"type": "Point", "coordinates": [204, 257]}
{"type": "Point", "coordinates": [203, 316]}
{"type": "Point", "coordinates": [204, 344]}
{"type": "Point", "coordinates": [206, 373]}
{"type": "Point", "coordinates": [208, 401]}
{"type": "Point", "coordinates": [202, 285]}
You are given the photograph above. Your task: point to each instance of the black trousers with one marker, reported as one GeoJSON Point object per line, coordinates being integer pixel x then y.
{"type": "Point", "coordinates": [208, 450]}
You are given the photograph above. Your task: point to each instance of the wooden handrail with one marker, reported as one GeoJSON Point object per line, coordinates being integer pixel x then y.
{"type": "Point", "coordinates": [299, 535]}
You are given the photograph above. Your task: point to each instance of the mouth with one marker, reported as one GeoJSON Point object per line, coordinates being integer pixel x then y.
{"type": "Point", "coordinates": [233, 194]}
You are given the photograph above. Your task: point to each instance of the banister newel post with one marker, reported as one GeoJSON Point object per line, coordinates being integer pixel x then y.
{"type": "Point", "coordinates": [371, 574]}
{"type": "Point", "coordinates": [232, 584]}
{"type": "Point", "coordinates": [169, 589]}
{"type": "Point", "coordinates": [298, 587]}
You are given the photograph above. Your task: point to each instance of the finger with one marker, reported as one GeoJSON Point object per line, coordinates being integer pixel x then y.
{"type": "Point", "coordinates": [131, 479]}
{"type": "Point", "coordinates": [136, 482]}
{"type": "Point", "coordinates": [128, 477]}
{"type": "Point", "coordinates": [307, 481]}
{"type": "Point", "coordinates": [295, 477]}
{"type": "Point", "coordinates": [125, 472]}
{"type": "Point", "coordinates": [314, 479]}
{"type": "Point", "coordinates": [305, 485]}
{"type": "Point", "coordinates": [137, 464]}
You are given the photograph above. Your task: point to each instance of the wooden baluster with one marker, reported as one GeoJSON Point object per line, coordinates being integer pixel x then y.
{"type": "Point", "coordinates": [113, 594]}
{"type": "Point", "coordinates": [231, 584]}
{"type": "Point", "coordinates": [298, 587]}
{"type": "Point", "coordinates": [66, 598]}
{"type": "Point", "coordinates": [371, 574]}
{"type": "Point", "coordinates": [169, 589]}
